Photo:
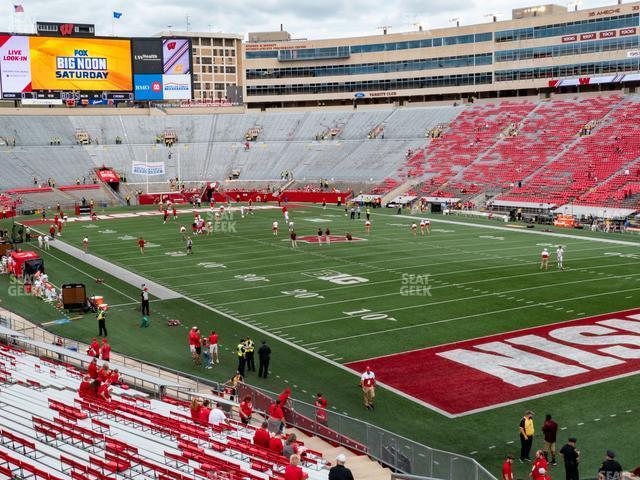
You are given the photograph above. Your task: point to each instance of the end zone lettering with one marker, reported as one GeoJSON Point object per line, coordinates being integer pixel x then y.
{"type": "Point", "coordinates": [484, 373]}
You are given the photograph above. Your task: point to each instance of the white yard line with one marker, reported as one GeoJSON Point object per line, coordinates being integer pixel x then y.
{"type": "Point", "coordinates": [447, 320]}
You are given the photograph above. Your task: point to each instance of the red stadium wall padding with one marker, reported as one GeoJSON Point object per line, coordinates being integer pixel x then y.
{"type": "Point", "coordinates": [91, 186]}
{"type": "Point", "coordinates": [289, 195]}
{"type": "Point", "coordinates": [18, 191]}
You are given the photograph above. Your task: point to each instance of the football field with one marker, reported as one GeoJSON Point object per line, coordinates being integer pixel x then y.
{"type": "Point", "coordinates": [434, 315]}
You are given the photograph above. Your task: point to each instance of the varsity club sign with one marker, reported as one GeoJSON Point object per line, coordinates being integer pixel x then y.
{"type": "Point", "coordinates": [484, 373]}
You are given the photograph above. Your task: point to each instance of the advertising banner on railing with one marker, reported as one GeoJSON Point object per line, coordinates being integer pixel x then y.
{"type": "Point", "coordinates": [147, 168]}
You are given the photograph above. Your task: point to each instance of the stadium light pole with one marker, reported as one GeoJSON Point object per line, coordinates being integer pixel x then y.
{"type": "Point", "coordinates": [384, 28]}
{"type": "Point", "coordinates": [575, 4]}
{"type": "Point", "coordinates": [456, 20]}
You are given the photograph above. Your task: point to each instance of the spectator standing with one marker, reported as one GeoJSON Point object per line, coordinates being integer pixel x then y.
{"type": "Point", "coordinates": [610, 469]}
{"type": "Point", "coordinates": [194, 345]}
{"type": "Point", "coordinates": [105, 351]}
{"type": "Point", "coordinates": [249, 348]}
{"type": "Point", "coordinates": [103, 391]}
{"type": "Point", "coordinates": [242, 359]}
{"type": "Point", "coordinates": [284, 397]}
{"type": "Point", "coordinates": [246, 410]}
{"type": "Point", "coordinates": [293, 471]}
{"type": "Point", "coordinates": [144, 298]}
{"type": "Point", "coordinates": [262, 437]}
{"type": "Point", "coordinates": [550, 432]}
{"type": "Point", "coordinates": [507, 468]}
{"type": "Point", "coordinates": [339, 471]}
{"type": "Point", "coordinates": [94, 349]}
{"type": "Point", "coordinates": [213, 346]}
{"type": "Point", "coordinates": [85, 387]}
{"type": "Point", "coordinates": [321, 409]}
{"type": "Point", "coordinates": [102, 323]}
{"type": "Point", "coordinates": [276, 418]}
{"type": "Point", "coordinates": [527, 430]}
{"type": "Point", "coordinates": [571, 457]}
{"type": "Point", "coordinates": [206, 354]}
{"type": "Point", "coordinates": [368, 385]}
{"type": "Point", "coordinates": [264, 355]}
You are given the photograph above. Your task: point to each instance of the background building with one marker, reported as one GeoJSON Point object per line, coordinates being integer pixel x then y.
{"type": "Point", "coordinates": [217, 64]}
{"type": "Point", "coordinates": [539, 50]}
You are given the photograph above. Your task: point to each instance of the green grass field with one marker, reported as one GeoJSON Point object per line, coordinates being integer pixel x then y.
{"type": "Point", "coordinates": [481, 281]}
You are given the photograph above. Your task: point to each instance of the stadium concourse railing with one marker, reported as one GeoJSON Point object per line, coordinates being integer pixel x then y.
{"type": "Point", "coordinates": [400, 454]}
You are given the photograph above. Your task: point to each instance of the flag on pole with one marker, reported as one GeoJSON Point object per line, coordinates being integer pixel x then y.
{"type": "Point", "coordinates": [18, 9]}
{"type": "Point", "coordinates": [117, 15]}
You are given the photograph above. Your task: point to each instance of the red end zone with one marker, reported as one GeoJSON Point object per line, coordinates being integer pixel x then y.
{"type": "Point", "coordinates": [483, 373]}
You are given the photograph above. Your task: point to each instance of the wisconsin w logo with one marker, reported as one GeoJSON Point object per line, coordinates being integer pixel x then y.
{"type": "Point", "coordinates": [66, 29]}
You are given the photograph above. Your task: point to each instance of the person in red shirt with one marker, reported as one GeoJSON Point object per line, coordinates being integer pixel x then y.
{"type": "Point", "coordinates": [103, 392]}
{"type": "Point", "coordinates": [141, 245]}
{"type": "Point", "coordinates": [284, 397]}
{"type": "Point", "coordinates": [203, 414]}
{"type": "Point", "coordinates": [540, 462]}
{"type": "Point", "coordinates": [540, 474]}
{"type": "Point", "coordinates": [85, 386]}
{"type": "Point", "coordinates": [105, 351]}
{"type": "Point", "coordinates": [507, 471]}
{"type": "Point", "coordinates": [321, 409]}
{"type": "Point", "coordinates": [94, 349]}
{"type": "Point", "coordinates": [213, 346]}
{"type": "Point", "coordinates": [175, 213]}
{"type": "Point", "coordinates": [52, 231]}
{"type": "Point", "coordinates": [195, 345]}
{"type": "Point", "coordinates": [104, 374]}
{"type": "Point", "coordinates": [262, 437]}
{"type": "Point", "coordinates": [92, 370]}
{"type": "Point", "coordinates": [246, 409]}
{"type": "Point", "coordinates": [275, 444]}
{"type": "Point", "coordinates": [293, 471]}
{"type": "Point", "coordinates": [196, 405]}
{"type": "Point", "coordinates": [276, 417]}
{"type": "Point", "coordinates": [114, 377]}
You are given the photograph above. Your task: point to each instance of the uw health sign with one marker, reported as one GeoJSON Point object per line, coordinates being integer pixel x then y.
{"type": "Point", "coordinates": [484, 373]}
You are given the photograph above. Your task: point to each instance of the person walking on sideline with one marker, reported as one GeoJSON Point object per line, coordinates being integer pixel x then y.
{"type": "Point", "coordinates": [550, 431]}
{"type": "Point", "coordinates": [368, 385]}
{"type": "Point", "coordinates": [102, 323]}
{"type": "Point", "coordinates": [144, 297]}
{"type": "Point", "coordinates": [264, 355]}
{"type": "Point", "coordinates": [141, 245]}
{"type": "Point", "coordinates": [571, 457]}
{"type": "Point", "coordinates": [526, 436]}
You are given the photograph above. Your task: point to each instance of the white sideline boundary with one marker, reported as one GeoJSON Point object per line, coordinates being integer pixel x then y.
{"type": "Point", "coordinates": [521, 230]}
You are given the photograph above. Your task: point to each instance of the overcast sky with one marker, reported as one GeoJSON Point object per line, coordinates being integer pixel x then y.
{"type": "Point", "coordinates": [303, 18]}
